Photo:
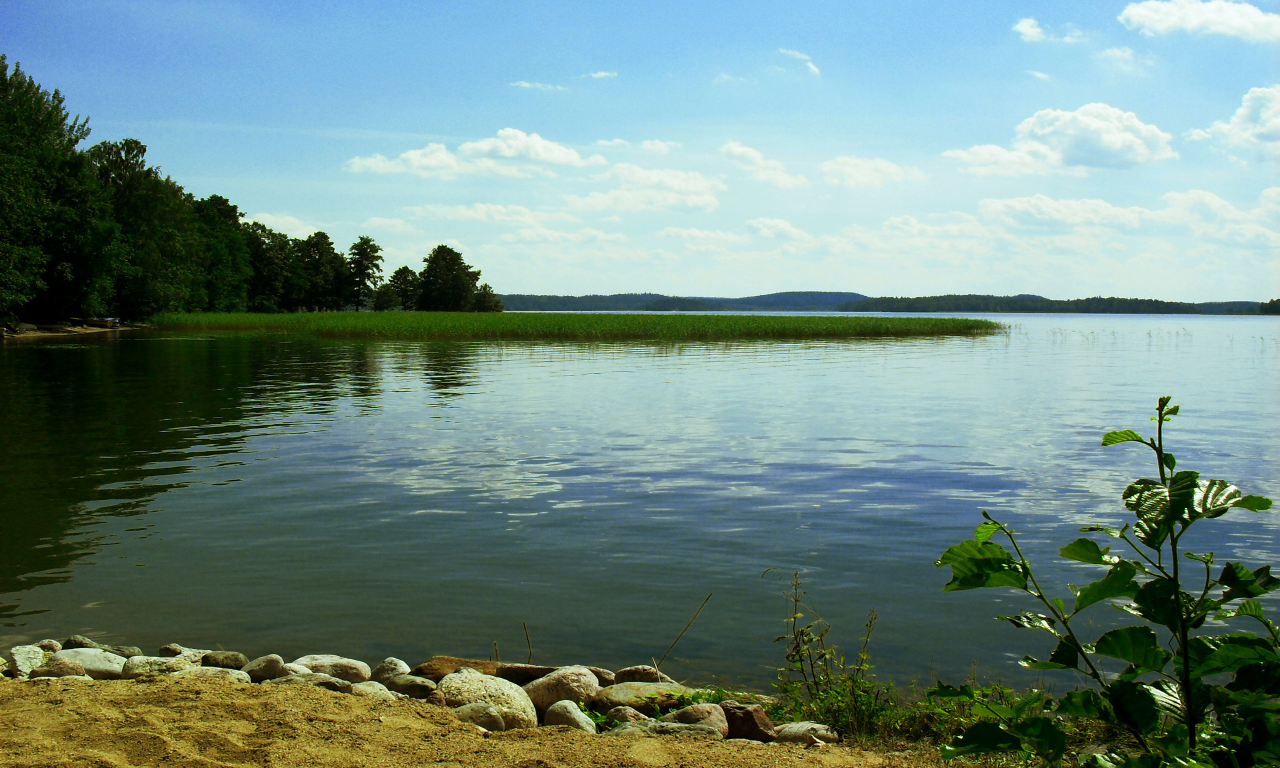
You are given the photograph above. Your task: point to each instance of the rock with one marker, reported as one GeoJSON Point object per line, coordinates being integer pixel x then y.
{"type": "Point", "coordinates": [436, 699]}
{"type": "Point", "coordinates": [351, 670]}
{"type": "Point", "coordinates": [806, 733]}
{"type": "Point", "coordinates": [127, 651]}
{"type": "Point", "coordinates": [97, 663]}
{"type": "Point", "coordinates": [411, 685]}
{"type": "Point", "coordinates": [603, 676]}
{"type": "Point", "coordinates": [468, 686]}
{"type": "Point", "coordinates": [190, 654]}
{"type": "Point", "coordinates": [52, 646]}
{"type": "Point", "coordinates": [265, 668]}
{"type": "Point", "coordinates": [695, 730]}
{"type": "Point", "coordinates": [371, 689]}
{"type": "Point", "coordinates": [576, 684]}
{"type": "Point", "coordinates": [24, 658]}
{"type": "Point", "coordinates": [710, 715]}
{"type": "Point", "coordinates": [622, 715]}
{"type": "Point", "coordinates": [629, 731]}
{"type": "Point", "coordinates": [296, 669]}
{"type": "Point", "coordinates": [138, 666]}
{"type": "Point", "coordinates": [216, 673]}
{"type": "Point", "coordinates": [436, 667]}
{"type": "Point", "coordinates": [569, 713]}
{"type": "Point", "coordinates": [642, 674]}
{"type": "Point", "coordinates": [77, 641]}
{"type": "Point", "coordinates": [649, 698]}
{"type": "Point", "coordinates": [57, 667]}
{"type": "Point", "coordinates": [484, 715]}
{"type": "Point", "coordinates": [390, 667]}
{"type": "Point", "coordinates": [523, 674]}
{"type": "Point", "coordinates": [224, 659]}
{"type": "Point", "coordinates": [313, 678]}
{"type": "Point", "coordinates": [747, 721]}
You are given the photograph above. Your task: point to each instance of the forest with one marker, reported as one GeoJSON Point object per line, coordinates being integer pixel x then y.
{"type": "Point", "coordinates": [100, 232]}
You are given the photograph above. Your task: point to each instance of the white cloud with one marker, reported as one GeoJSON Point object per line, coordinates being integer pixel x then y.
{"type": "Point", "coordinates": [601, 75]}
{"type": "Point", "coordinates": [661, 147]}
{"type": "Point", "coordinates": [1038, 74]}
{"type": "Point", "coordinates": [513, 142]}
{"type": "Point", "coordinates": [545, 235]}
{"type": "Point", "coordinates": [613, 143]}
{"type": "Point", "coordinates": [724, 78]}
{"type": "Point", "coordinates": [1031, 32]}
{"type": "Point", "coordinates": [1041, 208]}
{"type": "Point", "coordinates": [768, 171]}
{"type": "Point", "coordinates": [1126, 61]}
{"type": "Point", "coordinates": [706, 235]}
{"type": "Point", "coordinates": [1255, 125]}
{"type": "Point", "coordinates": [778, 227]}
{"type": "Point", "coordinates": [538, 86]}
{"type": "Point", "coordinates": [516, 214]}
{"type": "Point", "coordinates": [867, 172]}
{"type": "Point", "coordinates": [806, 58]}
{"type": "Point", "coordinates": [647, 189]}
{"type": "Point", "coordinates": [290, 225]}
{"type": "Point", "coordinates": [391, 225]}
{"type": "Point", "coordinates": [1218, 17]}
{"type": "Point", "coordinates": [1056, 141]}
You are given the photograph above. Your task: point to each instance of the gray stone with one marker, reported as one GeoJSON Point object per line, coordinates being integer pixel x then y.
{"type": "Point", "coordinates": [127, 651]}
{"type": "Point", "coordinates": [747, 721]}
{"type": "Point", "coordinates": [390, 667]}
{"type": "Point", "coordinates": [97, 663]}
{"type": "Point", "coordinates": [265, 668]}
{"type": "Point", "coordinates": [52, 646]}
{"type": "Point", "coordinates": [694, 730]}
{"type": "Point", "coordinates": [569, 713]}
{"type": "Point", "coordinates": [138, 666]}
{"type": "Point", "coordinates": [224, 659]}
{"type": "Point", "coordinates": [806, 732]}
{"type": "Point", "coordinates": [77, 641]}
{"type": "Point", "coordinates": [622, 715]}
{"type": "Point", "coordinates": [629, 731]}
{"type": "Point", "coordinates": [24, 658]}
{"type": "Point", "coordinates": [649, 698]}
{"type": "Point", "coordinates": [313, 678]}
{"type": "Point", "coordinates": [216, 673]}
{"type": "Point", "coordinates": [467, 686]}
{"type": "Point", "coordinates": [192, 655]}
{"type": "Point", "coordinates": [351, 670]}
{"type": "Point", "coordinates": [577, 684]}
{"type": "Point", "coordinates": [710, 715]}
{"type": "Point", "coordinates": [410, 685]}
{"type": "Point", "coordinates": [436, 667]}
{"type": "Point", "coordinates": [371, 689]}
{"type": "Point", "coordinates": [296, 669]}
{"type": "Point", "coordinates": [641, 674]}
{"type": "Point", "coordinates": [484, 715]}
{"type": "Point", "coordinates": [56, 667]}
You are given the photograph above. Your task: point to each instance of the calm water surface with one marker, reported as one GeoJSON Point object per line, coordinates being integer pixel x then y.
{"type": "Point", "coordinates": [369, 498]}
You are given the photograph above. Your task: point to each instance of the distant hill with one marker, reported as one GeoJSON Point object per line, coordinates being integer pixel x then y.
{"type": "Point", "coordinates": [791, 301]}
{"type": "Point", "coordinates": [1031, 303]}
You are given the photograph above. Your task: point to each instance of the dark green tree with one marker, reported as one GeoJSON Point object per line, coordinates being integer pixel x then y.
{"type": "Point", "coordinates": [448, 282]}
{"type": "Point", "coordinates": [269, 260]}
{"type": "Point", "coordinates": [486, 300]}
{"type": "Point", "coordinates": [385, 298]}
{"type": "Point", "coordinates": [1270, 308]}
{"type": "Point", "coordinates": [407, 286]}
{"type": "Point", "coordinates": [365, 268]}
{"type": "Point", "coordinates": [327, 273]}
{"type": "Point", "coordinates": [222, 255]}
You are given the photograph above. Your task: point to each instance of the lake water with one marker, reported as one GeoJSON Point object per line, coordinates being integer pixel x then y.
{"type": "Point", "coordinates": [369, 498]}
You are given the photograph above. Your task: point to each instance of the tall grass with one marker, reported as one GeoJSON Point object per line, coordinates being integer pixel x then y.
{"type": "Point", "coordinates": [581, 327]}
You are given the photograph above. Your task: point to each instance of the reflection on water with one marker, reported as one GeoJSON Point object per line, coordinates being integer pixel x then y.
{"type": "Point", "coordinates": [296, 495]}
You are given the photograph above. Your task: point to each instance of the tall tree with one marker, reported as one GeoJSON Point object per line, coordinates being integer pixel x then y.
{"type": "Point", "coordinates": [327, 271]}
{"type": "Point", "coordinates": [269, 261]}
{"type": "Point", "coordinates": [448, 282]}
{"type": "Point", "coordinates": [407, 286]}
{"type": "Point", "coordinates": [486, 300]}
{"type": "Point", "coordinates": [365, 268]}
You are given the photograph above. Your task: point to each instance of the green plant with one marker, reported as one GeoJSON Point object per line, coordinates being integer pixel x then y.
{"type": "Point", "coordinates": [1163, 697]}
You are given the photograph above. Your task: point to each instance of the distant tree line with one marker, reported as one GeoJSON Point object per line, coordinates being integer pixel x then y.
{"type": "Point", "coordinates": [99, 232]}
{"type": "Point", "coordinates": [1029, 303]}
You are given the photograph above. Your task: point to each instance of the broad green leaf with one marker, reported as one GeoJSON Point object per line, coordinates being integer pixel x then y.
{"type": "Point", "coordinates": [1117, 583]}
{"type": "Point", "coordinates": [976, 564]}
{"type": "Point", "coordinates": [1183, 487]}
{"type": "Point", "coordinates": [1064, 656]}
{"type": "Point", "coordinates": [981, 737]}
{"type": "Point", "coordinates": [1086, 551]}
{"type": "Point", "coordinates": [1214, 498]}
{"type": "Point", "coordinates": [1241, 582]}
{"type": "Point", "coordinates": [1254, 503]}
{"type": "Point", "coordinates": [1137, 645]}
{"type": "Point", "coordinates": [990, 709]}
{"type": "Point", "coordinates": [1157, 602]}
{"type": "Point", "coordinates": [1086, 703]}
{"type": "Point", "coordinates": [1236, 650]}
{"type": "Point", "coordinates": [1042, 736]}
{"type": "Point", "coordinates": [1170, 461]}
{"type": "Point", "coordinates": [944, 691]}
{"type": "Point", "coordinates": [1250, 608]}
{"type": "Point", "coordinates": [1122, 436]}
{"type": "Point", "coordinates": [985, 531]}
{"type": "Point", "coordinates": [1028, 620]}
{"type": "Point", "coordinates": [1134, 705]}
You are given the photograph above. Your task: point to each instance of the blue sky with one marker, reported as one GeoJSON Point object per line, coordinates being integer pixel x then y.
{"type": "Point", "coordinates": [727, 149]}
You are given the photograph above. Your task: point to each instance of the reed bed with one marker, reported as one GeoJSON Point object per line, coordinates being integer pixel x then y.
{"type": "Point", "coordinates": [464, 326]}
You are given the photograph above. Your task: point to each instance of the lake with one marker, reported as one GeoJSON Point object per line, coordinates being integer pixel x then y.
{"type": "Point", "coordinates": [293, 495]}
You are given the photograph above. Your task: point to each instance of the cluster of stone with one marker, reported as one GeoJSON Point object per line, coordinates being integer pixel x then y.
{"type": "Point", "coordinates": [635, 702]}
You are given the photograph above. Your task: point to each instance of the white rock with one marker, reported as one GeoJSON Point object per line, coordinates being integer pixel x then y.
{"type": "Point", "coordinates": [467, 686]}
{"type": "Point", "coordinates": [97, 663]}
{"type": "Point", "coordinates": [265, 668]}
{"type": "Point", "coordinates": [389, 668]}
{"type": "Point", "coordinates": [137, 666]}
{"type": "Point", "coordinates": [216, 673]}
{"type": "Point", "coordinates": [296, 669]}
{"type": "Point", "coordinates": [570, 714]}
{"type": "Point", "coordinates": [24, 658]}
{"type": "Point", "coordinates": [372, 689]}
{"type": "Point", "coordinates": [483, 715]}
{"type": "Point", "coordinates": [566, 683]}
{"type": "Point", "coordinates": [192, 655]}
{"type": "Point", "coordinates": [351, 670]}
{"type": "Point", "coordinates": [806, 733]}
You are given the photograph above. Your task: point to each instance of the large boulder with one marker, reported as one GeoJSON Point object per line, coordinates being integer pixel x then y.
{"type": "Point", "coordinates": [23, 659]}
{"type": "Point", "coordinates": [710, 715]}
{"type": "Point", "coordinates": [436, 667]}
{"type": "Point", "coordinates": [469, 686]}
{"type": "Point", "coordinates": [390, 667]}
{"type": "Point", "coordinates": [265, 668]}
{"type": "Point", "coordinates": [410, 685]}
{"type": "Point", "coordinates": [56, 667]}
{"type": "Point", "coordinates": [77, 641]}
{"type": "Point", "coordinates": [649, 698]}
{"type": "Point", "coordinates": [568, 713]}
{"type": "Point", "coordinates": [641, 674]}
{"type": "Point", "coordinates": [97, 663]}
{"type": "Point", "coordinates": [139, 666]}
{"type": "Point", "coordinates": [577, 684]}
{"type": "Point", "coordinates": [624, 715]}
{"type": "Point", "coordinates": [484, 715]}
{"type": "Point", "coordinates": [351, 670]}
{"type": "Point", "coordinates": [224, 659]}
{"type": "Point", "coordinates": [216, 673]}
{"type": "Point", "coordinates": [806, 732]}
{"type": "Point", "coordinates": [372, 689]}
{"type": "Point", "coordinates": [747, 721]}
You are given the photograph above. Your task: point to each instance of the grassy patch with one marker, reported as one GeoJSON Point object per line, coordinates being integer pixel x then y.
{"type": "Point", "coordinates": [582, 327]}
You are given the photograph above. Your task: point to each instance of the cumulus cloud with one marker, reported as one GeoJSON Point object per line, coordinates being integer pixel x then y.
{"type": "Point", "coordinates": [1217, 17]}
{"type": "Point", "coordinates": [613, 143]}
{"type": "Point", "coordinates": [545, 235]}
{"type": "Point", "coordinates": [515, 214]}
{"type": "Point", "coordinates": [1041, 208]}
{"type": "Point", "coordinates": [538, 86]}
{"type": "Point", "coordinates": [391, 225]}
{"type": "Point", "coordinates": [705, 235]}
{"type": "Point", "coordinates": [806, 58]}
{"type": "Point", "coordinates": [1056, 141]}
{"type": "Point", "coordinates": [435, 161]}
{"type": "Point", "coordinates": [1124, 60]}
{"type": "Point", "coordinates": [290, 225]}
{"type": "Point", "coordinates": [601, 75]}
{"type": "Point", "coordinates": [1031, 32]}
{"type": "Point", "coordinates": [647, 189]}
{"type": "Point", "coordinates": [867, 172]}
{"type": "Point", "coordinates": [661, 147]}
{"type": "Point", "coordinates": [1254, 126]}
{"type": "Point", "coordinates": [778, 228]}
{"type": "Point", "coordinates": [513, 142]}
{"type": "Point", "coordinates": [762, 169]}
